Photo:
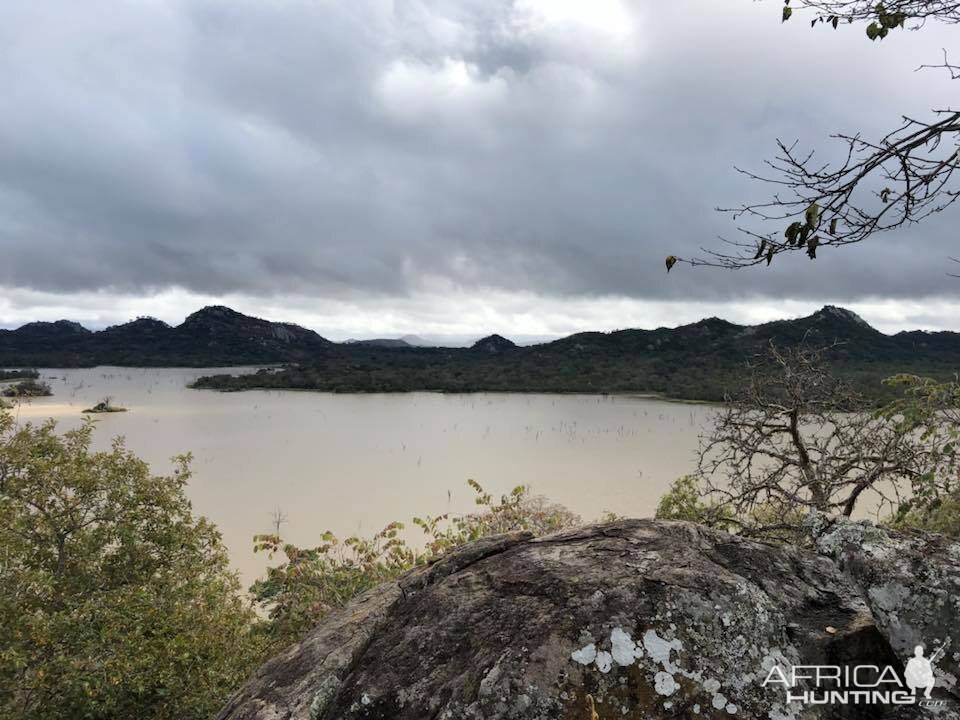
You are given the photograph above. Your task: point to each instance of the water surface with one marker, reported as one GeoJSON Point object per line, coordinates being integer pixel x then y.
{"type": "Point", "coordinates": [353, 463]}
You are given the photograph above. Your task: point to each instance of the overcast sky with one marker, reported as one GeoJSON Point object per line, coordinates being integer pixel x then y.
{"type": "Point", "coordinates": [441, 167]}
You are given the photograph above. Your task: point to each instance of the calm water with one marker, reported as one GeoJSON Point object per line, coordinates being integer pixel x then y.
{"type": "Point", "coordinates": [353, 463]}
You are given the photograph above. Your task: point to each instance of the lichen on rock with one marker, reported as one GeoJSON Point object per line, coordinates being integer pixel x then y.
{"type": "Point", "coordinates": [630, 619]}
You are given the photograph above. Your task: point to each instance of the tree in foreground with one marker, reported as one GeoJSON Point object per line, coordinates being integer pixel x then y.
{"type": "Point", "coordinates": [878, 184]}
{"type": "Point", "coordinates": [117, 601]}
{"type": "Point", "coordinates": [796, 439]}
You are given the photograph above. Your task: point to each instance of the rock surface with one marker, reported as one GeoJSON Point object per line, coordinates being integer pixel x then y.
{"type": "Point", "coordinates": [911, 582]}
{"type": "Point", "coordinates": [632, 619]}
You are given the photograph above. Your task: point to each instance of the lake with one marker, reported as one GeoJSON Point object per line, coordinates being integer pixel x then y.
{"type": "Point", "coordinates": [353, 463]}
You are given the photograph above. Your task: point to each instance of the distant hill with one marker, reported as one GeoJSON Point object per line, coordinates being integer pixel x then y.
{"type": "Point", "coordinates": [493, 344]}
{"type": "Point", "coordinates": [214, 335]}
{"type": "Point", "coordinates": [699, 361]}
{"type": "Point", "coordinates": [381, 342]}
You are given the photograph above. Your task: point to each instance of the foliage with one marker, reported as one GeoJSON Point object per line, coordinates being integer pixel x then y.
{"type": "Point", "coordinates": [701, 361]}
{"type": "Point", "coordinates": [797, 439]}
{"type": "Point", "coordinates": [684, 501]}
{"type": "Point", "coordinates": [931, 411]}
{"type": "Point", "coordinates": [18, 374]}
{"type": "Point", "coordinates": [310, 582]}
{"type": "Point", "coordinates": [117, 601]}
{"type": "Point", "coordinates": [26, 389]}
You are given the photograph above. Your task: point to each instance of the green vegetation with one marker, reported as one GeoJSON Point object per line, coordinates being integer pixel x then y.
{"type": "Point", "coordinates": [117, 601]}
{"type": "Point", "coordinates": [19, 374]}
{"type": "Point", "coordinates": [26, 389]}
{"type": "Point", "coordinates": [310, 582]}
{"type": "Point", "coordinates": [702, 361]}
{"type": "Point", "coordinates": [796, 440]}
{"type": "Point", "coordinates": [105, 406]}
{"type": "Point", "coordinates": [209, 337]}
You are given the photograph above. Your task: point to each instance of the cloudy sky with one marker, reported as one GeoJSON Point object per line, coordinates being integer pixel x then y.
{"type": "Point", "coordinates": [453, 167]}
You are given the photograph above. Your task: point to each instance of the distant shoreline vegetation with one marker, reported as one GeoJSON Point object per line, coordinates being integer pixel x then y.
{"type": "Point", "coordinates": [24, 374]}
{"type": "Point", "coordinates": [396, 372]}
{"type": "Point", "coordinates": [701, 361]}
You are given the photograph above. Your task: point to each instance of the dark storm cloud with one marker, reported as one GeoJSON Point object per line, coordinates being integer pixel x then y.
{"type": "Point", "coordinates": [343, 150]}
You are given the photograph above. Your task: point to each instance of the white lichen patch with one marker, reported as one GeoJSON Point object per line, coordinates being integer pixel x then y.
{"type": "Point", "coordinates": [585, 655]}
{"type": "Point", "coordinates": [604, 661]}
{"type": "Point", "coordinates": [623, 649]}
{"type": "Point", "coordinates": [664, 683]}
{"type": "Point", "coordinates": [711, 685]}
{"type": "Point", "coordinates": [659, 649]}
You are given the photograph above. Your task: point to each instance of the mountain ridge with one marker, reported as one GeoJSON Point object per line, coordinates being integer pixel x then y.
{"type": "Point", "coordinates": [698, 360]}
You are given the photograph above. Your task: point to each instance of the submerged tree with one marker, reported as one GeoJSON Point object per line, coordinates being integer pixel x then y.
{"type": "Point", "coordinates": [878, 184]}
{"type": "Point", "coordinates": [797, 439]}
{"type": "Point", "coordinates": [117, 601]}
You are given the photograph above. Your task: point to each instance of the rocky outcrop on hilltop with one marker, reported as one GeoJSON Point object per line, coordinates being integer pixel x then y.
{"type": "Point", "coordinates": [211, 336]}
{"type": "Point", "coordinates": [631, 619]}
{"type": "Point", "coordinates": [494, 344]}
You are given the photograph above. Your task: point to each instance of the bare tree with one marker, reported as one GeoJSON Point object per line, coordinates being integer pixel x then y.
{"type": "Point", "coordinates": [798, 439]}
{"type": "Point", "coordinates": [877, 185]}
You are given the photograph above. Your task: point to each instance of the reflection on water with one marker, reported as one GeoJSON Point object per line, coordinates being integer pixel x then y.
{"type": "Point", "coordinates": [353, 463]}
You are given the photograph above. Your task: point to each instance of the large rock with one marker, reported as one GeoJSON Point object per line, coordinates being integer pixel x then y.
{"type": "Point", "coordinates": [632, 619]}
{"type": "Point", "coordinates": [911, 582]}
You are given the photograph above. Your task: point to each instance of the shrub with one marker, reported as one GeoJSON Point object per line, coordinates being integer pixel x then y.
{"type": "Point", "coordinates": [117, 601]}
{"type": "Point", "coordinates": [310, 582]}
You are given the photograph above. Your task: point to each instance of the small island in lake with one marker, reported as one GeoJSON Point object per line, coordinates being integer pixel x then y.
{"type": "Point", "coordinates": [21, 374]}
{"type": "Point", "coordinates": [105, 406]}
{"type": "Point", "coordinates": [28, 388]}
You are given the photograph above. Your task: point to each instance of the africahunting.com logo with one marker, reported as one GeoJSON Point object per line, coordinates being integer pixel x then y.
{"type": "Point", "coordinates": [859, 684]}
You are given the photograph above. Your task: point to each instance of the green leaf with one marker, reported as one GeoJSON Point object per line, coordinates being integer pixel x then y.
{"type": "Point", "coordinates": [670, 262]}
{"type": "Point", "coordinates": [787, 12]}
{"type": "Point", "coordinates": [812, 214]}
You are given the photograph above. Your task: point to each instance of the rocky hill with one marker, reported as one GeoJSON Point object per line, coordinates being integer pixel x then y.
{"type": "Point", "coordinates": [700, 361]}
{"type": "Point", "coordinates": [636, 619]}
{"type": "Point", "coordinates": [212, 336]}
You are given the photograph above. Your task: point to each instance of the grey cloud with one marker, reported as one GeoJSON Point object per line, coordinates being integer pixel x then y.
{"type": "Point", "coordinates": [352, 149]}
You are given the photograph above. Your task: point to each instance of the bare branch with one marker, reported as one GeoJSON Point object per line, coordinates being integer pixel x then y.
{"type": "Point", "coordinates": [797, 439]}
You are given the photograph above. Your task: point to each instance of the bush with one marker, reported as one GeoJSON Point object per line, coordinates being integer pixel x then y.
{"type": "Point", "coordinates": [117, 601]}
{"type": "Point", "coordinates": [27, 389]}
{"type": "Point", "coordinates": [311, 582]}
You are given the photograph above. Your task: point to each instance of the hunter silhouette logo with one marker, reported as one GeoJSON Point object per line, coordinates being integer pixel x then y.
{"type": "Point", "coordinates": [860, 684]}
{"type": "Point", "coordinates": [919, 671]}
